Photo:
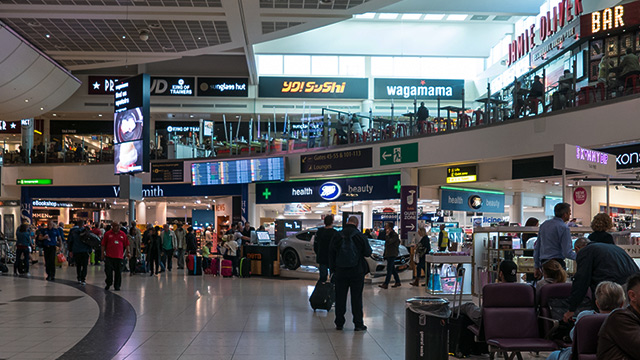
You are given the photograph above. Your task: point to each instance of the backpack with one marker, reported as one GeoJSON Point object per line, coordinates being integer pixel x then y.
{"type": "Point", "coordinates": [348, 255]}
{"type": "Point", "coordinates": [90, 239]}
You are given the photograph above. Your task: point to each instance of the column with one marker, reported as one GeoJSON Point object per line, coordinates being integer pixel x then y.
{"type": "Point", "coordinates": [252, 215]}
{"type": "Point", "coordinates": [367, 216]}
{"type": "Point", "coordinates": [27, 138]}
{"type": "Point", "coordinates": [161, 213]}
{"type": "Point", "coordinates": [141, 212]}
{"type": "Point", "coordinates": [516, 213]}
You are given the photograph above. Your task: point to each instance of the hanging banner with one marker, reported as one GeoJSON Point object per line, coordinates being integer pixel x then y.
{"type": "Point", "coordinates": [409, 210]}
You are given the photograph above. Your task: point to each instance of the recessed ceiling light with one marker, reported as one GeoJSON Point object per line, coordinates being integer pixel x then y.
{"type": "Point", "coordinates": [199, 38]}
{"type": "Point", "coordinates": [26, 100]}
{"type": "Point", "coordinates": [457, 17]}
{"type": "Point", "coordinates": [47, 36]}
{"type": "Point", "coordinates": [99, 114]}
{"type": "Point", "coordinates": [434, 17]}
{"type": "Point", "coordinates": [54, 114]}
{"type": "Point", "coordinates": [124, 36]}
{"type": "Point", "coordinates": [191, 115]}
{"type": "Point", "coordinates": [388, 16]}
{"type": "Point", "coordinates": [411, 16]}
{"type": "Point", "coordinates": [368, 15]}
{"type": "Point", "coordinates": [41, 108]}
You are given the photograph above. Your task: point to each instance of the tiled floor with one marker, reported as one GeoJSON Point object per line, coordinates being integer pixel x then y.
{"type": "Point", "coordinates": [203, 317]}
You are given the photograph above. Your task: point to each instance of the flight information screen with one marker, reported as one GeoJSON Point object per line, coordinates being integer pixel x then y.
{"type": "Point", "coordinates": [237, 171]}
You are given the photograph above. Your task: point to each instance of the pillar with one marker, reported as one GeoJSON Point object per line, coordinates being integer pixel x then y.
{"type": "Point", "coordinates": [516, 213]}
{"type": "Point", "coordinates": [252, 216]}
{"type": "Point", "coordinates": [367, 216]}
{"type": "Point", "coordinates": [27, 138]}
{"type": "Point", "coordinates": [141, 212]}
{"type": "Point", "coordinates": [161, 213]}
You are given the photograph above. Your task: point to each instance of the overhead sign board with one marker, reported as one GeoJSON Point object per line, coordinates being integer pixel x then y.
{"type": "Point", "coordinates": [337, 160]}
{"type": "Point", "coordinates": [10, 127]}
{"type": "Point", "coordinates": [172, 86]}
{"type": "Point", "coordinates": [462, 174]}
{"type": "Point", "coordinates": [237, 171]}
{"type": "Point", "coordinates": [627, 156]}
{"type": "Point", "coordinates": [471, 200]}
{"type": "Point", "coordinates": [420, 89]}
{"type": "Point", "coordinates": [312, 87]}
{"type": "Point", "coordinates": [399, 154]}
{"type": "Point", "coordinates": [550, 23]}
{"type": "Point", "coordinates": [331, 190]}
{"type": "Point", "coordinates": [223, 87]}
{"type": "Point", "coordinates": [34, 181]}
{"type": "Point", "coordinates": [610, 19]}
{"type": "Point", "coordinates": [577, 158]}
{"type": "Point", "coordinates": [167, 172]}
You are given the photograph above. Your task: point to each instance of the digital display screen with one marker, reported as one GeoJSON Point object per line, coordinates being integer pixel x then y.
{"type": "Point", "coordinates": [131, 125]}
{"type": "Point", "coordinates": [237, 171]}
{"type": "Point", "coordinates": [208, 128]}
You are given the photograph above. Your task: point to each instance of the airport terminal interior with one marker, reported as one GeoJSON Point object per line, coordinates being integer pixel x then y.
{"type": "Point", "coordinates": [170, 170]}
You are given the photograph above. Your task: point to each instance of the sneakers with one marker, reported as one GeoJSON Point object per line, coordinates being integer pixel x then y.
{"type": "Point", "coordinates": [360, 328]}
{"type": "Point", "coordinates": [83, 283]}
{"type": "Point", "coordinates": [396, 285]}
{"type": "Point", "coordinates": [414, 283]}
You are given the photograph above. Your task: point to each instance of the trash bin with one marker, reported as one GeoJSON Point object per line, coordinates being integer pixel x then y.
{"type": "Point", "coordinates": [426, 329]}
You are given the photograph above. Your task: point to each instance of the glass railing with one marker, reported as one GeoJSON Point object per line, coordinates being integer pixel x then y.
{"type": "Point", "coordinates": [333, 128]}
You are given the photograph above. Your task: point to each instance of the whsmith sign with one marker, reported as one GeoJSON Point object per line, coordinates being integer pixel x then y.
{"type": "Point", "coordinates": [421, 89]}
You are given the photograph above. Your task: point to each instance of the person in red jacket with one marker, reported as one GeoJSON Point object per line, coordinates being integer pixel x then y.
{"type": "Point", "coordinates": [114, 245]}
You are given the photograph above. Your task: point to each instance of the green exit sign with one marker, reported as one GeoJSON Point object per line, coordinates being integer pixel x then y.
{"type": "Point", "coordinates": [34, 181]}
{"type": "Point", "coordinates": [399, 154]}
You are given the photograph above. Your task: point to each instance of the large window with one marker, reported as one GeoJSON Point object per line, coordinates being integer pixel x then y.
{"type": "Point", "coordinates": [427, 67]}
{"type": "Point", "coordinates": [311, 65]}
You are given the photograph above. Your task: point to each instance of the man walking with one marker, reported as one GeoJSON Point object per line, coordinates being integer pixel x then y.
{"type": "Point", "coordinates": [168, 244]}
{"type": "Point", "coordinates": [114, 244]}
{"type": "Point", "coordinates": [49, 238]}
{"type": "Point", "coordinates": [554, 240]}
{"type": "Point", "coordinates": [181, 244]}
{"type": "Point", "coordinates": [321, 244]}
{"type": "Point", "coordinates": [348, 266]}
{"type": "Point", "coordinates": [80, 251]}
{"type": "Point", "coordinates": [391, 251]}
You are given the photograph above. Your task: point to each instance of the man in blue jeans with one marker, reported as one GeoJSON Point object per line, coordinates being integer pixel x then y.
{"type": "Point", "coordinates": [391, 251]}
{"type": "Point", "coordinates": [321, 244]}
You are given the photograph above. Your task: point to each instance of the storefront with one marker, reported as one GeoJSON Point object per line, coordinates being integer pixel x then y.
{"type": "Point", "coordinates": [95, 136]}
{"type": "Point", "coordinates": [305, 202]}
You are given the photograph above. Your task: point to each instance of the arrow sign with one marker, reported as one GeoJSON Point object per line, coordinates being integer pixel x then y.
{"type": "Point", "coordinates": [408, 209]}
{"type": "Point", "coordinates": [385, 156]}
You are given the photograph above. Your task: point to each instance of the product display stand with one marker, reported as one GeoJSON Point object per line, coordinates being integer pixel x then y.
{"type": "Point", "coordinates": [443, 276]}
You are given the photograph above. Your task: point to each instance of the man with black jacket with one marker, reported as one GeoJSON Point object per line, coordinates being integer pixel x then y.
{"type": "Point", "coordinates": [619, 336]}
{"type": "Point", "coordinates": [321, 244]}
{"type": "Point", "coordinates": [598, 262]}
{"type": "Point", "coordinates": [80, 251]}
{"type": "Point", "coordinates": [391, 251]}
{"type": "Point", "coordinates": [347, 263]}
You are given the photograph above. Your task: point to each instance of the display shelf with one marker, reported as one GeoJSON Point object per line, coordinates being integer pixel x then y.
{"type": "Point", "coordinates": [448, 259]}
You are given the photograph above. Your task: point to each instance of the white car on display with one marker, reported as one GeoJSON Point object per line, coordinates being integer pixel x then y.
{"type": "Point", "coordinates": [297, 250]}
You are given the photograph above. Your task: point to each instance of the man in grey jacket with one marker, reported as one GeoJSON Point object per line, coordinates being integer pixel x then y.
{"type": "Point", "coordinates": [180, 244]}
{"type": "Point", "coordinates": [391, 251]}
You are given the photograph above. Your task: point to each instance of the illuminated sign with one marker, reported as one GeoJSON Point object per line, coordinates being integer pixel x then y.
{"type": "Point", "coordinates": [550, 24]}
{"type": "Point", "coordinates": [172, 86]}
{"type": "Point", "coordinates": [418, 89]}
{"type": "Point", "coordinates": [223, 87]}
{"type": "Point", "coordinates": [308, 87]}
{"type": "Point", "coordinates": [576, 158]}
{"type": "Point", "coordinates": [461, 174]}
{"type": "Point", "coordinates": [611, 19]}
{"type": "Point", "coordinates": [330, 191]}
{"type": "Point", "coordinates": [591, 155]}
{"type": "Point", "coordinates": [49, 203]}
{"type": "Point", "coordinates": [34, 181]}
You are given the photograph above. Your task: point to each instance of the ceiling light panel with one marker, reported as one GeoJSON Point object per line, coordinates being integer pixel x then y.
{"type": "Point", "coordinates": [457, 17]}
{"type": "Point", "coordinates": [411, 16]}
{"type": "Point", "coordinates": [434, 17]}
{"type": "Point", "coordinates": [388, 16]}
{"type": "Point", "coordinates": [368, 15]}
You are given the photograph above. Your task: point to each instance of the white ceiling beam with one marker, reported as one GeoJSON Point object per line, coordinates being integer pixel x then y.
{"type": "Point", "coordinates": [111, 12]}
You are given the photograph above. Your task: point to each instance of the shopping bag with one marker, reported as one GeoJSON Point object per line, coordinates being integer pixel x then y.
{"type": "Point", "coordinates": [61, 258]}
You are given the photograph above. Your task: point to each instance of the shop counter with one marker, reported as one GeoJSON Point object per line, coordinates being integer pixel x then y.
{"type": "Point", "coordinates": [443, 281]}
{"type": "Point", "coordinates": [265, 260]}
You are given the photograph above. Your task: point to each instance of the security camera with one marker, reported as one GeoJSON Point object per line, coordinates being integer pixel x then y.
{"type": "Point", "coordinates": [144, 34]}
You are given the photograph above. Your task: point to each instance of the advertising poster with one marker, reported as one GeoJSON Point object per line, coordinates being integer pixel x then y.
{"type": "Point", "coordinates": [131, 125]}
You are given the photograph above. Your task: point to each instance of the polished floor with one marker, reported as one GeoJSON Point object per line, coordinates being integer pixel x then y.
{"type": "Point", "coordinates": [190, 317]}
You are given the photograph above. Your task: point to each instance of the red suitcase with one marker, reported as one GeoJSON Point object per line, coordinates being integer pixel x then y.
{"type": "Point", "coordinates": [227, 268]}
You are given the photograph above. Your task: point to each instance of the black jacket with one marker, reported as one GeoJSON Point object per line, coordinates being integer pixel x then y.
{"type": "Point", "coordinates": [423, 113]}
{"type": "Point", "coordinates": [322, 243]}
{"type": "Point", "coordinates": [362, 243]}
{"type": "Point", "coordinates": [191, 242]}
{"type": "Point", "coordinates": [599, 262]}
{"type": "Point", "coordinates": [75, 244]}
{"type": "Point", "coordinates": [601, 237]}
{"type": "Point", "coordinates": [391, 245]}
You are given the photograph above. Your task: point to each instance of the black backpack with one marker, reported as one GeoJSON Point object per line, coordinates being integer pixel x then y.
{"type": "Point", "coordinates": [348, 255]}
{"type": "Point", "coordinates": [88, 238]}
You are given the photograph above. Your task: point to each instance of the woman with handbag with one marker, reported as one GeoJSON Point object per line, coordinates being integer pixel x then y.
{"type": "Point", "coordinates": [423, 247]}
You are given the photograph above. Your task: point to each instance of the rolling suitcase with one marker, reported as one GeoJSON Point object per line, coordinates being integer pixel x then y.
{"type": "Point", "coordinates": [245, 267]}
{"type": "Point", "coordinates": [194, 265]}
{"type": "Point", "coordinates": [214, 268]}
{"type": "Point", "coordinates": [226, 268]}
{"type": "Point", "coordinates": [322, 296]}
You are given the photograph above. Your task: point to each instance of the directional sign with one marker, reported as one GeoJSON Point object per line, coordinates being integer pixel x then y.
{"type": "Point", "coordinates": [409, 209]}
{"type": "Point", "coordinates": [399, 154]}
{"type": "Point", "coordinates": [338, 160]}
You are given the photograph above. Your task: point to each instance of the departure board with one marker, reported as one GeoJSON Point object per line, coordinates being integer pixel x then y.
{"type": "Point", "coordinates": [237, 171]}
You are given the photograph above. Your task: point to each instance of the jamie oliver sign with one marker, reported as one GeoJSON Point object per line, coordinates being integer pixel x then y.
{"type": "Point", "coordinates": [577, 158]}
{"type": "Point", "coordinates": [427, 89]}
{"type": "Point", "coordinates": [338, 160]}
{"type": "Point", "coordinates": [550, 23]}
{"type": "Point", "coordinates": [223, 87]}
{"type": "Point", "coordinates": [310, 87]}
{"type": "Point", "coordinates": [472, 200]}
{"type": "Point", "coordinates": [381, 187]}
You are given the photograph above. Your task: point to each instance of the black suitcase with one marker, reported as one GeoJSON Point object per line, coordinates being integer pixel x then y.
{"type": "Point", "coordinates": [461, 340]}
{"type": "Point", "coordinates": [322, 296]}
{"type": "Point", "coordinates": [245, 267]}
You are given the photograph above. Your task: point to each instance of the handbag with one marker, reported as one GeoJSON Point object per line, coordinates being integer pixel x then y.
{"type": "Point", "coordinates": [61, 258]}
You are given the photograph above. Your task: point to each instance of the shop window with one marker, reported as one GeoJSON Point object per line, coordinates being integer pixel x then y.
{"type": "Point", "coordinates": [305, 236]}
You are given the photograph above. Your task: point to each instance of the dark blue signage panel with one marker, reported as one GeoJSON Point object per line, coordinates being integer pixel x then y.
{"type": "Point", "coordinates": [148, 191]}
{"type": "Point", "coordinates": [420, 89]}
{"type": "Point", "coordinates": [627, 156]}
{"type": "Point", "coordinates": [352, 189]}
{"type": "Point", "coordinates": [472, 201]}
{"type": "Point", "coordinates": [312, 87]}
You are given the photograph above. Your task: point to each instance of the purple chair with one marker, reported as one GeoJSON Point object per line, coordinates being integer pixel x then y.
{"type": "Point", "coordinates": [546, 293]}
{"type": "Point", "coordinates": [585, 336]}
{"type": "Point", "coordinates": [510, 320]}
